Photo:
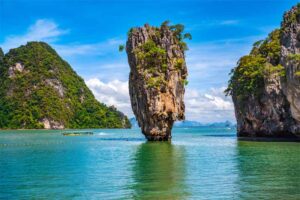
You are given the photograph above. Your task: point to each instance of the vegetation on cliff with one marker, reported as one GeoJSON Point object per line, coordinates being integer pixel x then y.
{"type": "Point", "coordinates": [38, 86]}
{"type": "Point", "coordinates": [153, 56]}
{"type": "Point", "coordinates": [291, 18]}
{"type": "Point", "coordinates": [265, 84]}
{"type": "Point", "coordinates": [263, 61]}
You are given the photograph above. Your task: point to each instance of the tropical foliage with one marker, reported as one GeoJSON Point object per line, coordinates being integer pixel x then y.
{"type": "Point", "coordinates": [49, 88]}
{"type": "Point", "coordinates": [153, 58]}
{"type": "Point", "coordinates": [263, 61]}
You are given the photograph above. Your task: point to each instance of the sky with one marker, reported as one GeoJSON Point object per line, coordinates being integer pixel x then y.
{"type": "Point", "coordinates": [87, 33]}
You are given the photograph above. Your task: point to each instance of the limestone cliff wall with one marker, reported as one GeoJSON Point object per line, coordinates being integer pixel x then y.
{"type": "Point", "coordinates": [290, 51]}
{"type": "Point", "coordinates": [271, 72]}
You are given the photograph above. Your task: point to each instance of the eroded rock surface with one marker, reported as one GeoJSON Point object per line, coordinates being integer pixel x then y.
{"type": "Point", "coordinates": [50, 124]}
{"type": "Point", "coordinates": [265, 86]}
{"type": "Point", "coordinates": [290, 59]}
{"type": "Point", "coordinates": [17, 68]}
{"type": "Point", "coordinates": [157, 78]}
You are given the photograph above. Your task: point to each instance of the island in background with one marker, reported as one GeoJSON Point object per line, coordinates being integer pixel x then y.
{"type": "Point", "coordinates": [193, 124]}
{"type": "Point", "coordinates": [39, 90]}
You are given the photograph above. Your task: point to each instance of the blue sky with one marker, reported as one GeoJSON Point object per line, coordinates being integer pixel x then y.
{"type": "Point", "coordinates": [87, 33]}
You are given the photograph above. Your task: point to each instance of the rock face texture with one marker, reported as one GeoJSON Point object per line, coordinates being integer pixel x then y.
{"type": "Point", "coordinates": [39, 90]}
{"type": "Point", "coordinates": [290, 59]}
{"type": "Point", "coordinates": [265, 86]}
{"type": "Point", "coordinates": [157, 78]}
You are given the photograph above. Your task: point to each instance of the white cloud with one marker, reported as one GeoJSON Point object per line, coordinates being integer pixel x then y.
{"type": "Point", "coordinates": [42, 30]}
{"type": "Point", "coordinates": [208, 106]}
{"type": "Point", "coordinates": [111, 93]}
{"type": "Point", "coordinates": [229, 22]}
{"type": "Point", "coordinates": [48, 31]}
{"type": "Point", "coordinates": [210, 63]}
{"type": "Point", "coordinates": [213, 23]}
{"type": "Point", "coordinates": [101, 48]}
{"type": "Point", "coordinates": [75, 49]}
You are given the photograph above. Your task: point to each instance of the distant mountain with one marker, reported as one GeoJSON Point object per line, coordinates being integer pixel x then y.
{"type": "Point", "coordinates": [188, 124]}
{"type": "Point", "coordinates": [133, 122]}
{"type": "Point", "coordinates": [226, 124]}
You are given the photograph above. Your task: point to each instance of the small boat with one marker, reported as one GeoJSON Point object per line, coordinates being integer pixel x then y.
{"type": "Point", "coordinates": [77, 133]}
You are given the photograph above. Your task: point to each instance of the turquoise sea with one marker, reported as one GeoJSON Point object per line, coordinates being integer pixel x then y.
{"type": "Point", "coordinates": [199, 163]}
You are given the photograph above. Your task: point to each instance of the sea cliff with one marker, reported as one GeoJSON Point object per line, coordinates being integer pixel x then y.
{"type": "Point", "coordinates": [265, 85]}
{"type": "Point", "coordinates": [158, 74]}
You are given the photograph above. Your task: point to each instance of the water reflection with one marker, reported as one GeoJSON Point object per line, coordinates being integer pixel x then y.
{"type": "Point", "coordinates": [159, 172]}
{"type": "Point", "coordinates": [268, 170]}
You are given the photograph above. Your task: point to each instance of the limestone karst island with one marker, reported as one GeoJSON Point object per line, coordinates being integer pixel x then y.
{"type": "Point", "coordinates": [149, 99]}
{"type": "Point", "coordinates": [41, 90]}
{"type": "Point", "coordinates": [265, 85]}
{"type": "Point", "coordinates": [157, 77]}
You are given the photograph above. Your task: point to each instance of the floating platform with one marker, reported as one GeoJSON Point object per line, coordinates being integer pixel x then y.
{"type": "Point", "coordinates": [77, 133]}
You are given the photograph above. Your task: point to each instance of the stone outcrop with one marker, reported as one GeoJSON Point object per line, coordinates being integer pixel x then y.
{"type": "Point", "coordinates": [157, 78]}
{"type": "Point", "coordinates": [265, 86]}
{"type": "Point", "coordinates": [50, 124]}
{"type": "Point", "coordinates": [17, 68]}
{"type": "Point", "coordinates": [56, 85]}
{"type": "Point", "coordinates": [290, 59]}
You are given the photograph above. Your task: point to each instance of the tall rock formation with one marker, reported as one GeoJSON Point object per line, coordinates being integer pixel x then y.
{"type": "Point", "coordinates": [157, 77]}
{"type": "Point", "coordinates": [38, 89]}
{"type": "Point", "coordinates": [265, 86]}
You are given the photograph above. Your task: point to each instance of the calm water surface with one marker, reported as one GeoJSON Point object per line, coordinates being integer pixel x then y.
{"type": "Point", "coordinates": [200, 163]}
